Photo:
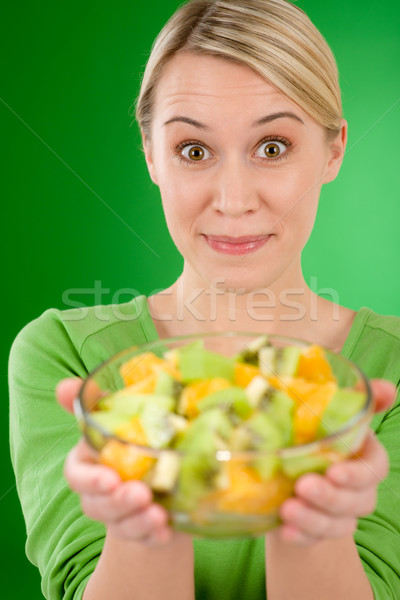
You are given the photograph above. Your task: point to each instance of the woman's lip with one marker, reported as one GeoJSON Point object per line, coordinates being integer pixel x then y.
{"type": "Point", "coordinates": [236, 245]}
{"type": "Point", "coordinates": [243, 239]}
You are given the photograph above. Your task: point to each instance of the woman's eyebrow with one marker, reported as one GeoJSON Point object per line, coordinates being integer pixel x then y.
{"type": "Point", "coordinates": [187, 120]}
{"type": "Point", "coordinates": [278, 115]}
{"type": "Point", "coordinates": [266, 119]}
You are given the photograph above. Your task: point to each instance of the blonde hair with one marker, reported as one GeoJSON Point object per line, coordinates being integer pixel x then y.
{"type": "Point", "coordinates": [273, 37]}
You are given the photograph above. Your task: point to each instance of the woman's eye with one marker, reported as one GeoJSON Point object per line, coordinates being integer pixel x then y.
{"type": "Point", "coordinates": [272, 149]}
{"type": "Point", "coordinates": [195, 152]}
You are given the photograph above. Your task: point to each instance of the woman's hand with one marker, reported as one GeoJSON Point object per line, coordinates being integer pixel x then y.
{"type": "Point", "coordinates": [328, 506]}
{"type": "Point", "coordinates": [125, 507]}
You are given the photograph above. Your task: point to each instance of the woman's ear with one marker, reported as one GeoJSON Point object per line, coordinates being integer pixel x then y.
{"type": "Point", "coordinates": [149, 158]}
{"type": "Point", "coordinates": [336, 153]}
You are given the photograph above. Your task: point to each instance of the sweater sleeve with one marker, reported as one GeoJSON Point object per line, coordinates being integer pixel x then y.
{"type": "Point", "coordinates": [63, 543]}
{"type": "Point", "coordinates": [374, 345]}
{"type": "Point", "coordinates": [377, 536]}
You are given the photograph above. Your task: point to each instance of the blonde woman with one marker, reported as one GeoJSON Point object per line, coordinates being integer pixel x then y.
{"type": "Point", "coordinates": [241, 120]}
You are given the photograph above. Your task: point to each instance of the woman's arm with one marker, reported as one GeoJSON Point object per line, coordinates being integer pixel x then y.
{"type": "Point", "coordinates": [142, 557]}
{"type": "Point", "coordinates": [330, 569]}
{"type": "Point", "coordinates": [129, 570]}
{"type": "Point", "coordinates": [63, 542]}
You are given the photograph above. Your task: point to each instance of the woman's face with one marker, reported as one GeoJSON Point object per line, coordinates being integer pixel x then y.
{"type": "Point", "coordinates": [240, 168]}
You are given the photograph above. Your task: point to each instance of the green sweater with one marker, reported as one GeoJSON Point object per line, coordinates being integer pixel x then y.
{"type": "Point", "coordinates": [65, 544]}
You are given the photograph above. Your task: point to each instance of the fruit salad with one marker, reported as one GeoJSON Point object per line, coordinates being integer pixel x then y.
{"type": "Point", "coordinates": [223, 435]}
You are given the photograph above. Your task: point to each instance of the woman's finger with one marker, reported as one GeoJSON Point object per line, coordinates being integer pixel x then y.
{"type": "Point", "coordinates": [314, 523]}
{"type": "Point", "coordinates": [127, 499]}
{"type": "Point", "coordinates": [294, 535]}
{"type": "Point", "coordinates": [142, 525]}
{"type": "Point", "coordinates": [367, 467]}
{"type": "Point", "coordinates": [384, 393]}
{"type": "Point", "coordinates": [323, 495]}
{"type": "Point", "coordinates": [67, 390]}
{"type": "Point", "coordinates": [85, 475]}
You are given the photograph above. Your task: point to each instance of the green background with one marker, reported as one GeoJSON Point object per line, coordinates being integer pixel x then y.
{"type": "Point", "coordinates": [77, 201]}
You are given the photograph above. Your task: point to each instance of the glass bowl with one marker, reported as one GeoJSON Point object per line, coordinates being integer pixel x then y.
{"type": "Point", "coordinates": [228, 477]}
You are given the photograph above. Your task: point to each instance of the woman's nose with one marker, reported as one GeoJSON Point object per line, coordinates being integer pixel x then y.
{"type": "Point", "coordinates": [234, 191]}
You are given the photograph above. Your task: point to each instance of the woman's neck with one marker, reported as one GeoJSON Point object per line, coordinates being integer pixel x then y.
{"type": "Point", "coordinates": [294, 311]}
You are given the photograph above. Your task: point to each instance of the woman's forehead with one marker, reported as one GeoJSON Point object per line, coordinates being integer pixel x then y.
{"type": "Point", "coordinates": [205, 82]}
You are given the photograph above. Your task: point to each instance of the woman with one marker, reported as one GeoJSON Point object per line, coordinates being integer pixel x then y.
{"type": "Point", "coordinates": [241, 121]}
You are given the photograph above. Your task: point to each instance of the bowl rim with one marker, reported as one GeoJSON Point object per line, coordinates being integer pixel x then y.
{"type": "Point", "coordinates": [227, 455]}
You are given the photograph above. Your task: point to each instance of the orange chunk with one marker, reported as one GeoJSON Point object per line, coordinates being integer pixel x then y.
{"type": "Point", "coordinates": [244, 374]}
{"type": "Point", "coordinates": [197, 390]}
{"type": "Point", "coordinates": [139, 367]}
{"type": "Point", "coordinates": [132, 431]}
{"type": "Point", "coordinates": [128, 461]}
{"type": "Point", "coordinates": [280, 382]}
{"type": "Point", "coordinates": [309, 411]}
{"type": "Point", "coordinates": [311, 399]}
{"type": "Point", "coordinates": [314, 366]}
{"type": "Point", "coordinates": [143, 365]}
{"type": "Point", "coordinates": [170, 368]}
{"type": "Point", "coordinates": [248, 493]}
{"type": "Point", "coordinates": [300, 389]}
{"type": "Point", "coordinates": [144, 386]}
